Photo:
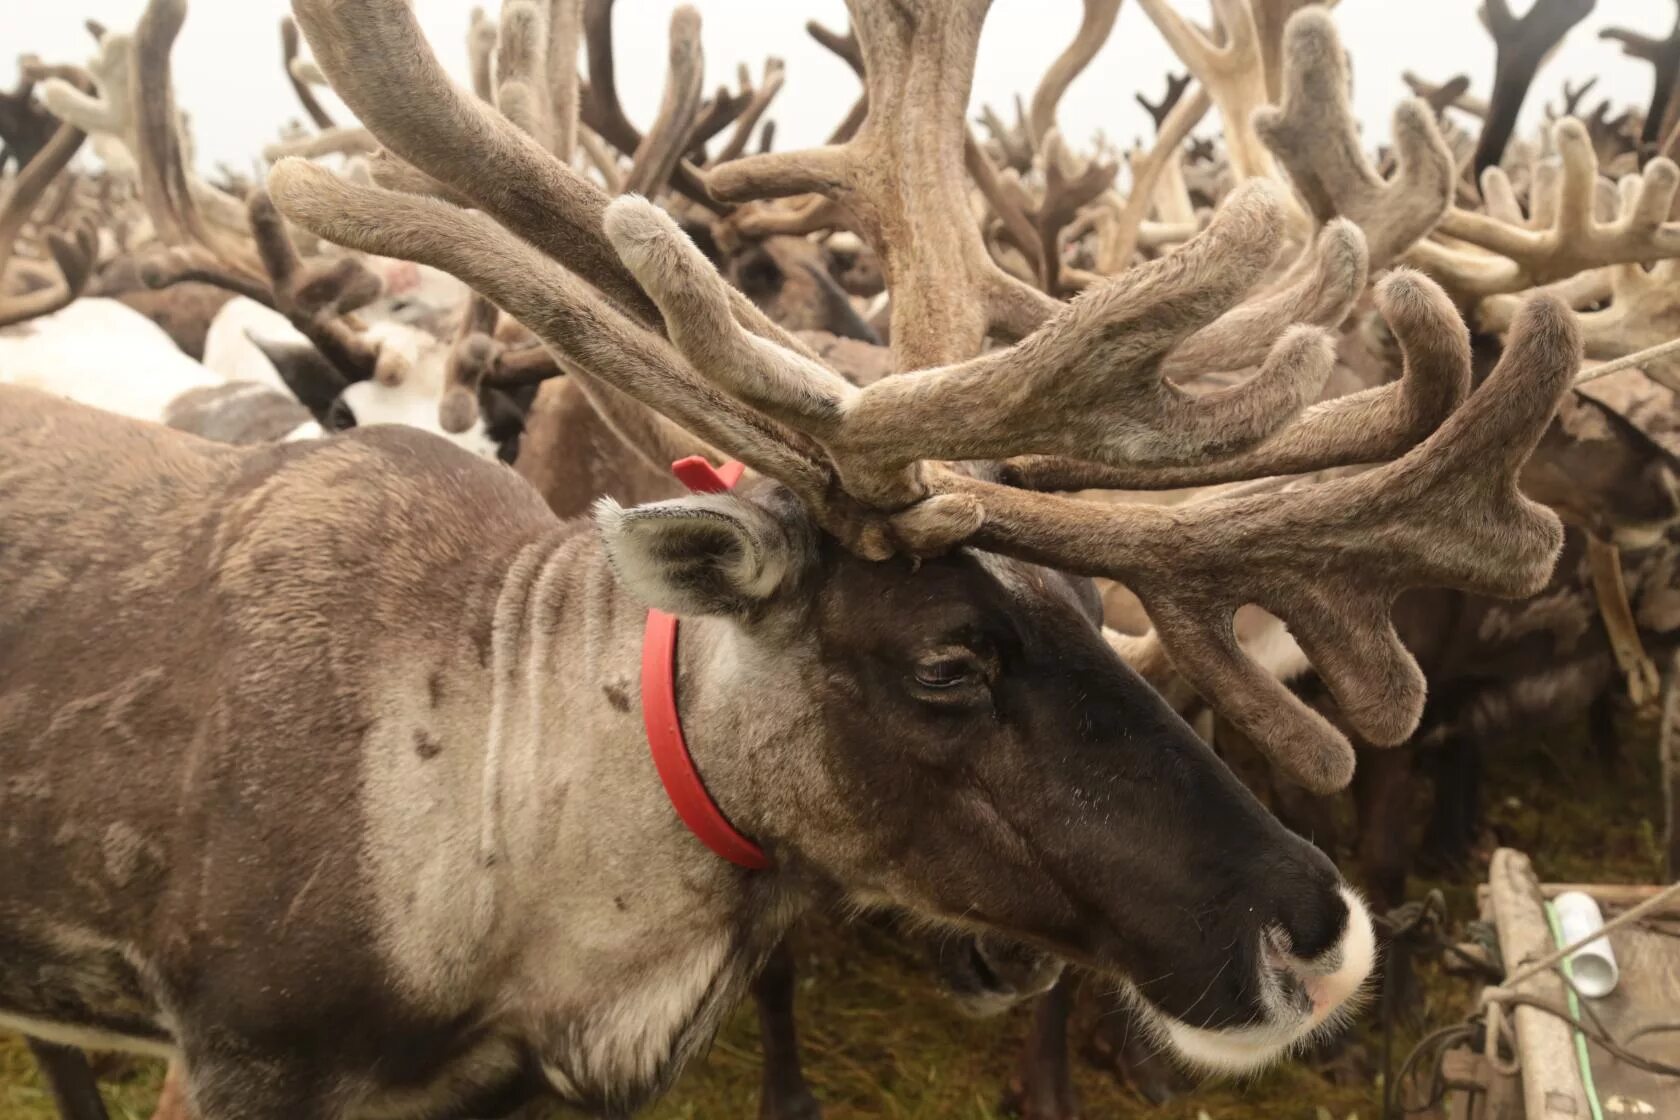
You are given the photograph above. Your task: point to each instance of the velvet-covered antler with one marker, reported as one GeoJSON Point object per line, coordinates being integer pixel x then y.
{"type": "Point", "coordinates": [1314, 135]}
{"type": "Point", "coordinates": [74, 256]}
{"type": "Point", "coordinates": [290, 42]}
{"type": "Point", "coordinates": [1565, 235]}
{"type": "Point", "coordinates": [1452, 93]}
{"type": "Point", "coordinates": [1232, 72]}
{"type": "Point", "coordinates": [1327, 558]}
{"type": "Point", "coordinates": [1094, 27]}
{"type": "Point", "coordinates": [901, 178]}
{"type": "Point", "coordinates": [1522, 45]}
{"type": "Point", "coordinates": [1664, 56]}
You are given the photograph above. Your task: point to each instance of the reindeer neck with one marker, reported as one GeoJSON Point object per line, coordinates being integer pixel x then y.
{"type": "Point", "coordinates": [633, 940]}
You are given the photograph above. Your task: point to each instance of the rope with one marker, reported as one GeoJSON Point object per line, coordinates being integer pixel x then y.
{"type": "Point", "coordinates": [1484, 1028]}
{"type": "Point", "coordinates": [1655, 902]}
{"type": "Point", "coordinates": [1637, 358]}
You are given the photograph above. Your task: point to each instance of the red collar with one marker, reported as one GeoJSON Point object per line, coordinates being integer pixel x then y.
{"type": "Point", "coordinates": [659, 706]}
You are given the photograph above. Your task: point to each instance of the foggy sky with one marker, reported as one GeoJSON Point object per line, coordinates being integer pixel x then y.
{"type": "Point", "coordinates": [228, 74]}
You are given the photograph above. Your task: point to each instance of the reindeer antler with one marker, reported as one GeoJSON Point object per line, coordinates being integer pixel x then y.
{"type": "Point", "coordinates": [74, 256]}
{"type": "Point", "coordinates": [1094, 28]}
{"type": "Point", "coordinates": [1159, 110]}
{"type": "Point", "coordinates": [901, 179]}
{"type": "Point", "coordinates": [1643, 309]}
{"type": "Point", "coordinates": [1522, 46]}
{"type": "Point", "coordinates": [1664, 56]}
{"type": "Point", "coordinates": [1564, 237]}
{"type": "Point", "coordinates": [1316, 138]}
{"type": "Point", "coordinates": [1328, 558]}
{"type": "Point", "coordinates": [290, 42]}
{"type": "Point", "coordinates": [1233, 73]}
{"type": "Point", "coordinates": [1452, 93]}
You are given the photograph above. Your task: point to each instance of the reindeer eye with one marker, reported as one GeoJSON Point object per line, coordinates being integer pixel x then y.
{"type": "Point", "coordinates": [946, 672]}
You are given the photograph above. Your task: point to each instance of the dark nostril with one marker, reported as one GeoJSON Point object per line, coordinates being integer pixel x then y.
{"type": "Point", "coordinates": [1315, 922]}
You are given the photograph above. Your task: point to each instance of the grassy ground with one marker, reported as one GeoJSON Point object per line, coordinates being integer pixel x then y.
{"type": "Point", "coordinates": [880, 1042]}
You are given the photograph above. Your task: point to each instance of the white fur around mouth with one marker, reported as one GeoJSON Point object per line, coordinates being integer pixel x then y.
{"type": "Point", "coordinates": [1331, 983]}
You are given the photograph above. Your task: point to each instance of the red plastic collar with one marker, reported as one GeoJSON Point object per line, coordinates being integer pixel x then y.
{"type": "Point", "coordinates": [659, 706]}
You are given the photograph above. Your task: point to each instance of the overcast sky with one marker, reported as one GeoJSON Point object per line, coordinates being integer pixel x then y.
{"type": "Point", "coordinates": [228, 75]}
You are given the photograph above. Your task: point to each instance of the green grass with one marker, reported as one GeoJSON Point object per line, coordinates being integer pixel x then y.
{"type": "Point", "coordinates": [879, 1041]}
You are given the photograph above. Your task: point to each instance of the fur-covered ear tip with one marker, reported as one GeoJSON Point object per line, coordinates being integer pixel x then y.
{"type": "Point", "coordinates": [608, 515]}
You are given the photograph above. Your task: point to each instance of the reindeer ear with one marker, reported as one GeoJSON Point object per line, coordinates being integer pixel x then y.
{"type": "Point", "coordinates": [711, 554]}
{"type": "Point", "coordinates": [310, 377]}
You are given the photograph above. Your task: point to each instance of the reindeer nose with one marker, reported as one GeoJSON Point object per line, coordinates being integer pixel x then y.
{"type": "Point", "coordinates": [1308, 908]}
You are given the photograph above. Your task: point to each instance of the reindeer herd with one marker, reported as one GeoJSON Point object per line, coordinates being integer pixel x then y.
{"type": "Point", "coordinates": [337, 523]}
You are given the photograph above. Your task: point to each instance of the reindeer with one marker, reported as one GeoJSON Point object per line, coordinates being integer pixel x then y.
{"type": "Point", "coordinates": [780, 581]}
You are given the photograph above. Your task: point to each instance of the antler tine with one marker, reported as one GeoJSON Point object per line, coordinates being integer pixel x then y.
{"type": "Point", "coordinates": [482, 36]}
{"type": "Point", "coordinates": [523, 94]}
{"type": "Point", "coordinates": [1522, 45]}
{"type": "Point", "coordinates": [349, 141]}
{"type": "Point", "coordinates": [1572, 96]}
{"type": "Point", "coordinates": [901, 177]}
{"type": "Point", "coordinates": [1329, 558]}
{"type": "Point", "coordinates": [1158, 110]}
{"type": "Point", "coordinates": [569, 315]}
{"type": "Point", "coordinates": [1365, 427]}
{"type": "Point", "coordinates": [1035, 225]}
{"type": "Point", "coordinates": [165, 266]}
{"type": "Point", "coordinates": [775, 72]}
{"type": "Point", "coordinates": [1117, 240]}
{"type": "Point", "coordinates": [163, 185]}
{"type": "Point", "coordinates": [472, 359]}
{"type": "Point", "coordinates": [27, 189]}
{"type": "Point", "coordinates": [846, 48]}
{"type": "Point", "coordinates": [1316, 138]}
{"type": "Point", "coordinates": [657, 155]}
{"type": "Point", "coordinates": [76, 257]}
{"type": "Point", "coordinates": [601, 158]}
{"type": "Point", "coordinates": [602, 111]}
{"type": "Point", "coordinates": [1094, 27]}
{"type": "Point", "coordinates": [1565, 237]}
{"type": "Point", "coordinates": [1271, 18]}
{"type": "Point", "coordinates": [380, 64]}
{"type": "Point", "coordinates": [315, 301]}
{"type": "Point", "coordinates": [1321, 287]}
{"type": "Point", "coordinates": [1450, 93]}
{"type": "Point", "coordinates": [290, 42]}
{"type": "Point", "coordinates": [1232, 74]}
{"type": "Point", "coordinates": [565, 35]}
{"type": "Point", "coordinates": [1087, 383]}
{"type": "Point", "coordinates": [1664, 56]}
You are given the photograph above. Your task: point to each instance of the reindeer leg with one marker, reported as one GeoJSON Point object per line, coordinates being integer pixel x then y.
{"type": "Point", "coordinates": [785, 1094]}
{"type": "Point", "coordinates": [1124, 1045]}
{"type": "Point", "coordinates": [1383, 792]}
{"type": "Point", "coordinates": [70, 1080]}
{"type": "Point", "coordinates": [1044, 1089]}
{"type": "Point", "coordinates": [1455, 769]}
{"type": "Point", "coordinates": [1602, 719]}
